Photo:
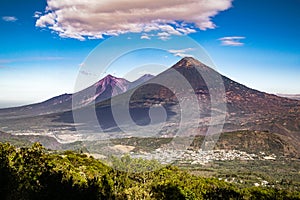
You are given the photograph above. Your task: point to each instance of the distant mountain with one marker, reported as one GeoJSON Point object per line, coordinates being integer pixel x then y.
{"type": "Point", "coordinates": [241, 100]}
{"type": "Point", "coordinates": [56, 104]}
{"type": "Point", "coordinates": [141, 80]}
{"type": "Point", "coordinates": [290, 96]}
{"type": "Point", "coordinates": [246, 108]}
{"type": "Point", "coordinates": [105, 88]}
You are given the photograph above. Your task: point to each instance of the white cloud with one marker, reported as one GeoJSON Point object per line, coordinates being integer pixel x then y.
{"type": "Point", "coordinates": [145, 37]}
{"type": "Point", "coordinates": [9, 18]}
{"type": "Point", "coordinates": [145, 72]}
{"type": "Point", "coordinates": [232, 41]}
{"type": "Point", "coordinates": [37, 14]}
{"type": "Point", "coordinates": [164, 35]}
{"type": "Point", "coordinates": [182, 52]}
{"type": "Point", "coordinates": [86, 73]}
{"type": "Point", "coordinates": [83, 19]}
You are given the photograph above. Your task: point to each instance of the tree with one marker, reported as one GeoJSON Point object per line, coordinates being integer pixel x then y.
{"type": "Point", "coordinates": [7, 176]}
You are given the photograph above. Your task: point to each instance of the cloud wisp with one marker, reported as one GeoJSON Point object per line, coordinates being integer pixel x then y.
{"type": "Point", "coordinates": [37, 14]}
{"type": "Point", "coordinates": [4, 61]}
{"type": "Point", "coordinates": [232, 41]}
{"type": "Point", "coordinates": [92, 19]}
{"type": "Point", "coordinates": [182, 52]}
{"type": "Point", "coordinates": [9, 18]}
{"type": "Point", "coordinates": [31, 59]}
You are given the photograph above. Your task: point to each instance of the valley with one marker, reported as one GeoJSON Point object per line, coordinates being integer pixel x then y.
{"type": "Point", "coordinates": [260, 132]}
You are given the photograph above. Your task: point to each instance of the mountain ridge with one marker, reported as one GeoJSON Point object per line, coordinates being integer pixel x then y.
{"type": "Point", "coordinates": [247, 109]}
{"type": "Point", "coordinates": [101, 90]}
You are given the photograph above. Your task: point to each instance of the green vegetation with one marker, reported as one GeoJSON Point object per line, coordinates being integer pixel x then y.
{"type": "Point", "coordinates": [143, 144]}
{"type": "Point", "coordinates": [280, 174]}
{"type": "Point", "coordinates": [34, 173]}
{"type": "Point", "coordinates": [253, 142]}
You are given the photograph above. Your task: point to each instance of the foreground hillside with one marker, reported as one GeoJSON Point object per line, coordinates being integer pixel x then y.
{"type": "Point", "coordinates": [34, 173]}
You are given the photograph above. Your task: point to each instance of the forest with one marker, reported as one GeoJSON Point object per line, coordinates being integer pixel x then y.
{"type": "Point", "coordinates": [30, 173]}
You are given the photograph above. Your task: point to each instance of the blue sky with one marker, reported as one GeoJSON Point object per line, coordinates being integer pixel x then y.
{"type": "Point", "coordinates": [254, 42]}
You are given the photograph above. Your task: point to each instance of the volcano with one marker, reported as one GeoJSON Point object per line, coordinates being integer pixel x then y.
{"type": "Point", "coordinates": [104, 89]}
{"type": "Point", "coordinates": [189, 93]}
